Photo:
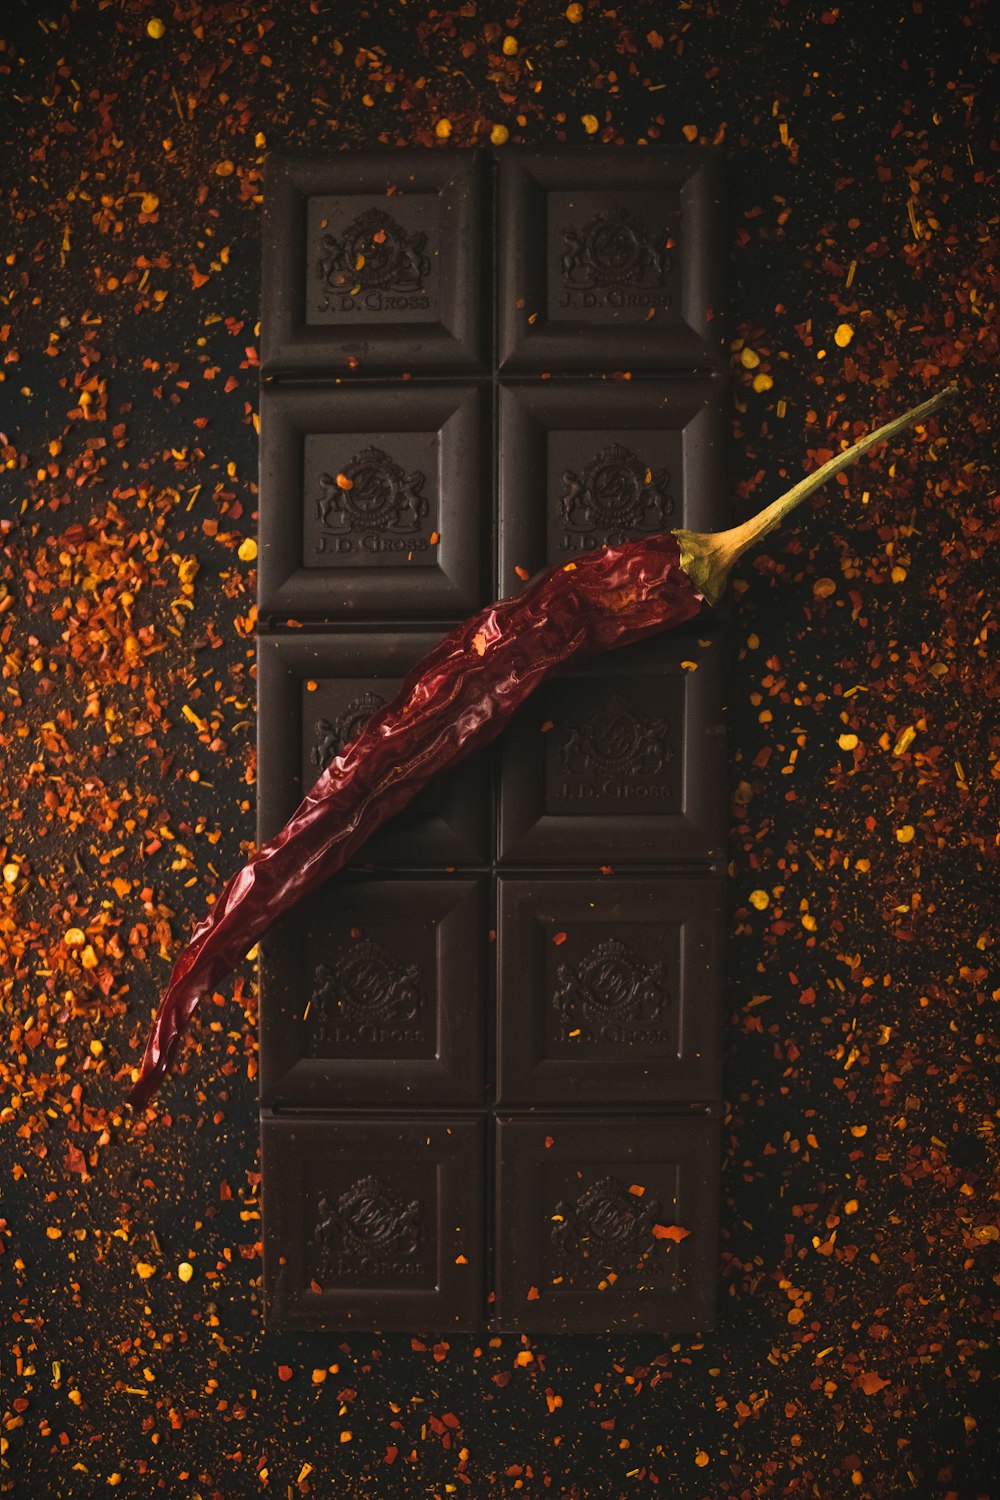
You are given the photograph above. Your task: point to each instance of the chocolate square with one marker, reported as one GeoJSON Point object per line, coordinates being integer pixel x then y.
{"type": "Point", "coordinates": [596, 465]}
{"type": "Point", "coordinates": [373, 992]}
{"type": "Point", "coordinates": [622, 759]}
{"type": "Point", "coordinates": [375, 263]}
{"type": "Point", "coordinates": [373, 502]}
{"type": "Point", "coordinates": [610, 260]}
{"type": "Point", "coordinates": [374, 1224]}
{"type": "Point", "coordinates": [315, 694]}
{"type": "Point", "coordinates": [590, 1221]}
{"type": "Point", "coordinates": [610, 990]}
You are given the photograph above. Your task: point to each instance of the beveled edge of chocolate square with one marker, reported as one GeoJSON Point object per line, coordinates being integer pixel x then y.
{"type": "Point", "coordinates": [459, 342]}
{"type": "Point", "coordinates": [458, 1146]}
{"type": "Point", "coordinates": [524, 1144]}
{"type": "Point", "coordinates": [461, 414]}
{"type": "Point", "coordinates": [286, 660]}
{"type": "Point", "coordinates": [290, 1079]}
{"type": "Point", "coordinates": [695, 342]}
{"type": "Point", "coordinates": [696, 835]}
{"type": "Point", "coordinates": [529, 410]}
{"type": "Point", "coordinates": [527, 1078]}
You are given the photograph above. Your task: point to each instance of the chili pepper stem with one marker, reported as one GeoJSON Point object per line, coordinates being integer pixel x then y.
{"type": "Point", "coordinates": [708, 557]}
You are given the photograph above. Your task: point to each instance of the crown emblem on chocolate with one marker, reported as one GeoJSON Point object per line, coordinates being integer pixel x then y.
{"type": "Point", "coordinates": [611, 984]}
{"type": "Point", "coordinates": [606, 1221]}
{"type": "Point", "coordinates": [615, 739]}
{"type": "Point", "coordinates": [365, 983]}
{"type": "Point", "coordinates": [374, 253]}
{"type": "Point", "coordinates": [615, 492]}
{"type": "Point", "coordinates": [368, 1219]}
{"type": "Point", "coordinates": [613, 249]}
{"type": "Point", "coordinates": [334, 735]}
{"type": "Point", "coordinates": [371, 493]}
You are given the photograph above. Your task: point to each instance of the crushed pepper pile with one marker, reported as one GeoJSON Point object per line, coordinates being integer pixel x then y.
{"type": "Point", "coordinates": [860, 1232]}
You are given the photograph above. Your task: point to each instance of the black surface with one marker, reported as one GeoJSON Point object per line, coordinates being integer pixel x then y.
{"type": "Point", "coordinates": [408, 535]}
{"type": "Point", "coordinates": [578, 1202]}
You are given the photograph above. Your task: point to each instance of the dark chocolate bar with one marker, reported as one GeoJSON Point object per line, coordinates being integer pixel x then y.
{"type": "Point", "coordinates": [610, 990]}
{"type": "Point", "coordinates": [610, 260]}
{"type": "Point", "coordinates": [375, 503]}
{"type": "Point", "coordinates": [375, 263]}
{"type": "Point", "coordinates": [315, 693]}
{"type": "Point", "coordinates": [622, 759]}
{"type": "Point", "coordinates": [491, 1050]}
{"type": "Point", "coordinates": [374, 992]}
{"type": "Point", "coordinates": [373, 1224]}
{"type": "Point", "coordinates": [606, 1224]}
{"type": "Point", "coordinates": [603, 463]}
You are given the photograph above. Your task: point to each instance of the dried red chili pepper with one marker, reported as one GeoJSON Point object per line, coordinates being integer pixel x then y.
{"type": "Point", "coordinates": [456, 700]}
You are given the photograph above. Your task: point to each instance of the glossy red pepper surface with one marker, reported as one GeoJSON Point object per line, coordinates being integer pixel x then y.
{"type": "Point", "coordinates": [454, 701]}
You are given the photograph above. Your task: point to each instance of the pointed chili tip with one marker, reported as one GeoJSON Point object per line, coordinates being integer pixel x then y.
{"type": "Point", "coordinates": [141, 1091]}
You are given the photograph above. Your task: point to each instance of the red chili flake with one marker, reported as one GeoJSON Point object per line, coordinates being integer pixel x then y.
{"type": "Point", "coordinates": [285, 1372]}
{"type": "Point", "coordinates": [559, 938]}
{"type": "Point", "coordinates": [670, 1232]}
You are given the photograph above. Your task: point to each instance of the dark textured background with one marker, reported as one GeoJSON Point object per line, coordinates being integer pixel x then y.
{"type": "Point", "coordinates": [859, 1239]}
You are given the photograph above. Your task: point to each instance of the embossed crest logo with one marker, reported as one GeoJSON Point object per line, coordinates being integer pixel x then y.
{"type": "Point", "coordinates": [374, 254]}
{"type": "Point", "coordinates": [613, 249]}
{"type": "Point", "coordinates": [615, 494]}
{"type": "Point", "coordinates": [608, 1221]}
{"type": "Point", "coordinates": [612, 984]}
{"type": "Point", "coordinates": [333, 736]}
{"type": "Point", "coordinates": [368, 1229]}
{"type": "Point", "coordinates": [372, 504]}
{"type": "Point", "coordinates": [616, 740]}
{"type": "Point", "coordinates": [365, 983]}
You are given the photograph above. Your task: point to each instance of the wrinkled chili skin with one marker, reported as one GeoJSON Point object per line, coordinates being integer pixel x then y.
{"type": "Point", "coordinates": [455, 700]}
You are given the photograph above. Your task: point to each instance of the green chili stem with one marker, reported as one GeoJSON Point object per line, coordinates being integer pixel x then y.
{"type": "Point", "coordinates": [708, 557]}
